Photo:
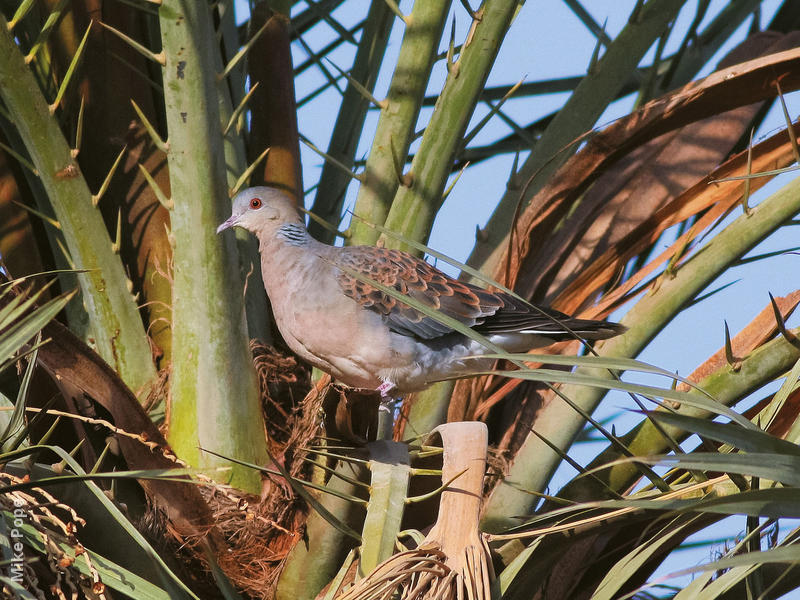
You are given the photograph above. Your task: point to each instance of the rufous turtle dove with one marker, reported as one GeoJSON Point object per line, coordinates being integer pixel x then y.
{"type": "Point", "coordinates": [366, 338]}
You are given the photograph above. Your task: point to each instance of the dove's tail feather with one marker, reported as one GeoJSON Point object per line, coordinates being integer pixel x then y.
{"type": "Point", "coordinates": [527, 339]}
{"type": "Point", "coordinates": [589, 330]}
{"type": "Point", "coordinates": [517, 317]}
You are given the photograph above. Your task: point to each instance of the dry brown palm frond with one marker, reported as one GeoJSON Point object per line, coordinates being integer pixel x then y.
{"type": "Point", "coordinates": [626, 193]}
{"type": "Point", "coordinates": [742, 84]}
{"type": "Point", "coordinates": [619, 153]}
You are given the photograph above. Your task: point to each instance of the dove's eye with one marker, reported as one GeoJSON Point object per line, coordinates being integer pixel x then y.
{"type": "Point", "coordinates": [255, 203]}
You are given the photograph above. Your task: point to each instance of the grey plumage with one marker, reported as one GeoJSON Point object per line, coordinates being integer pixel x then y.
{"type": "Point", "coordinates": [365, 337]}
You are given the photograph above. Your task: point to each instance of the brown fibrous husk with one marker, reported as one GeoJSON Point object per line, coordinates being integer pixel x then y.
{"type": "Point", "coordinates": [262, 530]}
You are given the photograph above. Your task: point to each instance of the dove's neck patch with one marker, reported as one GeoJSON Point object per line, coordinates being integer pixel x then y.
{"type": "Point", "coordinates": [294, 233]}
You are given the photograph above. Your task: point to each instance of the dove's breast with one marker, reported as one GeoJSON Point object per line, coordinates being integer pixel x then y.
{"type": "Point", "coordinates": [325, 327]}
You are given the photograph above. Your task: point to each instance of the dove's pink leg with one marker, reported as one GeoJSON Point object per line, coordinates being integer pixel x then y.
{"type": "Point", "coordinates": [385, 388]}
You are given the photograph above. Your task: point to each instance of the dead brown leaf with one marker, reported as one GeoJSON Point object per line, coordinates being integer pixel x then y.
{"type": "Point", "coordinates": [640, 183]}
{"type": "Point", "coordinates": [724, 90]}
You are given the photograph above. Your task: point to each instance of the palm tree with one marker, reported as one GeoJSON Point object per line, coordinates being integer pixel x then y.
{"type": "Point", "coordinates": [127, 125]}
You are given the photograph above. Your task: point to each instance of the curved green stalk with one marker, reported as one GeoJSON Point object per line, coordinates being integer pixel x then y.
{"type": "Point", "coordinates": [116, 326]}
{"type": "Point", "coordinates": [726, 384]}
{"type": "Point", "coordinates": [536, 461]}
{"type": "Point", "coordinates": [398, 118]}
{"type": "Point", "coordinates": [344, 140]}
{"type": "Point", "coordinates": [429, 409]}
{"type": "Point", "coordinates": [314, 560]}
{"type": "Point", "coordinates": [390, 472]}
{"type": "Point", "coordinates": [417, 202]}
{"type": "Point", "coordinates": [229, 90]}
{"type": "Point", "coordinates": [594, 93]}
{"type": "Point", "coordinates": [75, 311]}
{"type": "Point", "coordinates": [214, 395]}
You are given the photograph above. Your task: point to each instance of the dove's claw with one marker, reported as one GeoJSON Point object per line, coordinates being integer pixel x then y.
{"type": "Point", "coordinates": [385, 388]}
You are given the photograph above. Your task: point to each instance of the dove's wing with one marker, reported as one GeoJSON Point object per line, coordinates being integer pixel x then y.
{"type": "Point", "coordinates": [419, 280]}
{"type": "Point", "coordinates": [486, 312]}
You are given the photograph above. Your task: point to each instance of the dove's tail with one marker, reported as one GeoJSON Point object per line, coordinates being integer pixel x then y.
{"type": "Point", "coordinates": [520, 318]}
{"type": "Point", "coordinates": [568, 328]}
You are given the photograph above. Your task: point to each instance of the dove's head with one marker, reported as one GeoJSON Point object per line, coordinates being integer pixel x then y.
{"type": "Point", "coordinates": [261, 209]}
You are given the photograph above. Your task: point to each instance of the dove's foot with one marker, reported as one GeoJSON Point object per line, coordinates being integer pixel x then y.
{"type": "Point", "coordinates": [386, 389]}
{"type": "Point", "coordinates": [388, 401]}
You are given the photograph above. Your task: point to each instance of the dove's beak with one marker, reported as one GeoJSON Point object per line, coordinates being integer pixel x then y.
{"type": "Point", "coordinates": [231, 222]}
